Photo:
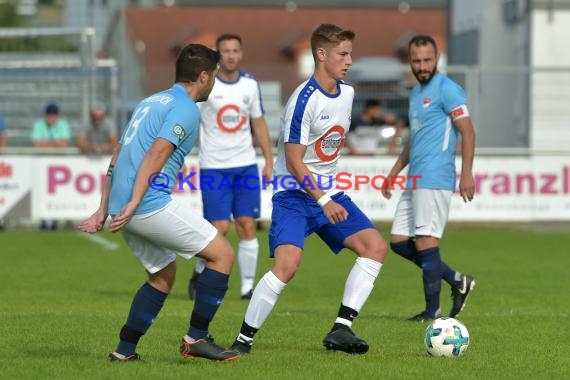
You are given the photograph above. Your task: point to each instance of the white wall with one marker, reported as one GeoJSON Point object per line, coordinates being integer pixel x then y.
{"type": "Point", "coordinates": [550, 99]}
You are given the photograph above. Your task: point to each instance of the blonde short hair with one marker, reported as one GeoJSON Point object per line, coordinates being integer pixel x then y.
{"type": "Point", "coordinates": [329, 35]}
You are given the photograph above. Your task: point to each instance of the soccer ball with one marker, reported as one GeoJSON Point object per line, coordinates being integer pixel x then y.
{"type": "Point", "coordinates": [446, 337]}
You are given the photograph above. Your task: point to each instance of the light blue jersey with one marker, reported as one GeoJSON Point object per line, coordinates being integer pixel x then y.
{"type": "Point", "coordinates": [171, 115]}
{"type": "Point", "coordinates": [433, 133]}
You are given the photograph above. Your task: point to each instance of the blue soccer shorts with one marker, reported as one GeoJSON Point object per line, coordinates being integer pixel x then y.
{"type": "Point", "coordinates": [230, 192]}
{"type": "Point", "coordinates": [296, 215]}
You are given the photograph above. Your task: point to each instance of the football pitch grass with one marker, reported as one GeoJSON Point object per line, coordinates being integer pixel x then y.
{"type": "Point", "coordinates": [64, 298]}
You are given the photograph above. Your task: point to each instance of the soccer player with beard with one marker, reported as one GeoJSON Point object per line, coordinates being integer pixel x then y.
{"type": "Point", "coordinates": [437, 112]}
{"type": "Point", "coordinates": [136, 193]}
{"type": "Point", "coordinates": [313, 128]}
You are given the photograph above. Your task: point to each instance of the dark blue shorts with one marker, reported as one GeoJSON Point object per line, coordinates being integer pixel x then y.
{"type": "Point", "coordinates": [230, 192]}
{"type": "Point", "coordinates": [296, 215]}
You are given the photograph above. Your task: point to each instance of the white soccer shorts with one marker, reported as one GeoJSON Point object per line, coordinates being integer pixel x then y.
{"type": "Point", "coordinates": [422, 212]}
{"type": "Point", "coordinates": [157, 237]}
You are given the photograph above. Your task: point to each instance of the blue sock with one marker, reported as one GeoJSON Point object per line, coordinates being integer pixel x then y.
{"type": "Point", "coordinates": [449, 275]}
{"type": "Point", "coordinates": [432, 272]}
{"type": "Point", "coordinates": [145, 307]}
{"type": "Point", "coordinates": [407, 249]}
{"type": "Point", "coordinates": [210, 292]}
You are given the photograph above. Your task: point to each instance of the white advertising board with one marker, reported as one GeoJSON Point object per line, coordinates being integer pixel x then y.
{"type": "Point", "coordinates": [507, 189]}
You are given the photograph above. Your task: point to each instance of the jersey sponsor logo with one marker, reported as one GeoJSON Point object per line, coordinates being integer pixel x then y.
{"type": "Point", "coordinates": [178, 131]}
{"type": "Point", "coordinates": [229, 119]}
{"type": "Point", "coordinates": [329, 144]}
{"type": "Point", "coordinates": [427, 102]}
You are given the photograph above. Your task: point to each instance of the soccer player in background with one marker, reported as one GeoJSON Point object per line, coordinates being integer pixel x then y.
{"type": "Point", "coordinates": [232, 112]}
{"type": "Point", "coordinates": [161, 132]}
{"type": "Point", "coordinates": [437, 113]}
{"type": "Point", "coordinates": [313, 127]}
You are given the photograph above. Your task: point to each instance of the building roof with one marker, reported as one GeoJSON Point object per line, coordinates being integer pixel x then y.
{"type": "Point", "coordinates": [268, 33]}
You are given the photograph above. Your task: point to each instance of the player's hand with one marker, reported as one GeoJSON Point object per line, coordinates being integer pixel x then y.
{"type": "Point", "coordinates": [94, 223]}
{"type": "Point", "coordinates": [267, 172]}
{"type": "Point", "coordinates": [467, 187]}
{"type": "Point", "coordinates": [335, 212]}
{"type": "Point", "coordinates": [387, 190]}
{"type": "Point", "coordinates": [123, 217]}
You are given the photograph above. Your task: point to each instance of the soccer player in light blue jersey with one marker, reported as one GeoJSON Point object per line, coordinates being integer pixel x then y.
{"type": "Point", "coordinates": [137, 195]}
{"type": "Point", "coordinates": [438, 112]}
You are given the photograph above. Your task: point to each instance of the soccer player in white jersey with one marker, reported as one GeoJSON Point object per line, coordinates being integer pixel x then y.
{"type": "Point", "coordinates": [233, 111]}
{"type": "Point", "coordinates": [137, 195]}
{"type": "Point", "coordinates": [313, 129]}
{"type": "Point", "coordinates": [437, 112]}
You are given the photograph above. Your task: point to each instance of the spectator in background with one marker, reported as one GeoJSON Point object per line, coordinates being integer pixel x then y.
{"type": "Point", "coordinates": [3, 135]}
{"type": "Point", "coordinates": [373, 114]}
{"type": "Point", "coordinates": [100, 137]}
{"type": "Point", "coordinates": [360, 142]}
{"type": "Point", "coordinates": [400, 137]}
{"type": "Point", "coordinates": [51, 131]}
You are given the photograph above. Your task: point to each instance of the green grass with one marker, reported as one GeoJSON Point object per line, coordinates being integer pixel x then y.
{"type": "Point", "coordinates": [63, 300]}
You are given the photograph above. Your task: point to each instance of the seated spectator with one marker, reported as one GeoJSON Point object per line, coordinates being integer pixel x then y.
{"type": "Point", "coordinates": [373, 114]}
{"type": "Point", "coordinates": [51, 131]}
{"type": "Point", "coordinates": [400, 137]}
{"type": "Point", "coordinates": [372, 129]}
{"type": "Point", "coordinates": [3, 134]}
{"type": "Point", "coordinates": [100, 137]}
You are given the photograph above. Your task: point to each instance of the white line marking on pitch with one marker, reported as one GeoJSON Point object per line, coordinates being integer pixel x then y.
{"type": "Point", "coordinates": [106, 244]}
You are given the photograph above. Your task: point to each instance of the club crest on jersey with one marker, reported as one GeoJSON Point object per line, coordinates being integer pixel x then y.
{"type": "Point", "coordinates": [329, 145]}
{"type": "Point", "coordinates": [178, 131]}
{"type": "Point", "coordinates": [246, 99]}
{"type": "Point", "coordinates": [427, 102]}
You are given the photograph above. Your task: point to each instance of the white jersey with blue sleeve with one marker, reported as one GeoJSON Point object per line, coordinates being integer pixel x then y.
{"type": "Point", "coordinates": [225, 128]}
{"type": "Point", "coordinates": [171, 115]}
{"type": "Point", "coordinates": [319, 120]}
{"type": "Point", "coordinates": [433, 109]}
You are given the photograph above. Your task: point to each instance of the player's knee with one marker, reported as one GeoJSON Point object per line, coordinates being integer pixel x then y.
{"type": "Point", "coordinates": [219, 254]}
{"type": "Point", "coordinates": [286, 271]}
{"type": "Point", "coordinates": [375, 249]}
{"type": "Point", "coordinates": [163, 280]}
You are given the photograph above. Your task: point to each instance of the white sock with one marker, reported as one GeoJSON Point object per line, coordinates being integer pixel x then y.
{"type": "Point", "coordinates": [359, 284]}
{"type": "Point", "coordinates": [264, 297]}
{"type": "Point", "coordinates": [200, 265]}
{"type": "Point", "coordinates": [247, 259]}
